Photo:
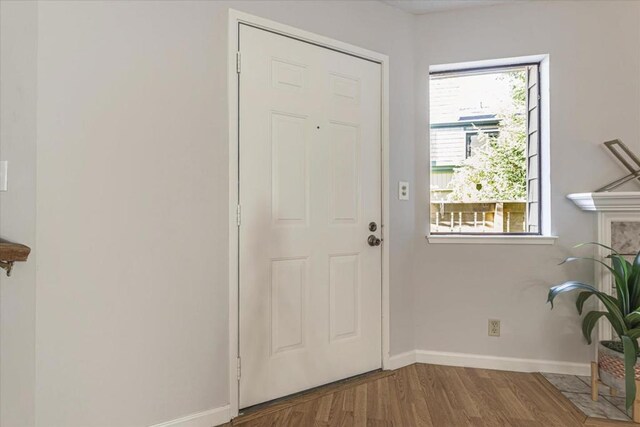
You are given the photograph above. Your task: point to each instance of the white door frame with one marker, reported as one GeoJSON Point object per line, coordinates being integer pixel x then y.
{"type": "Point", "coordinates": [235, 18]}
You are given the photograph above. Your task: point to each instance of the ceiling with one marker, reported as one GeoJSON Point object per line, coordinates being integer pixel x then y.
{"type": "Point", "coordinates": [419, 7]}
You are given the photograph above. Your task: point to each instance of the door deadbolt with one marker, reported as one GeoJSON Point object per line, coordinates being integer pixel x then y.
{"type": "Point", "coordinates": [373, 226]}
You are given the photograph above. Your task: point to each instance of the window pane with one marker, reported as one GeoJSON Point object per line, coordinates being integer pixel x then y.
{"type": "Point", "coordinates": [533, 97]}
{"type": "Point", "coordinates": [533, 120]}
{"type": "Point", "coordinates": [533, 75]}
{"type": "Point", "coordinates": [533, 214]}
{"type": "Point", "coordinates": [533, 167]}
{"type": "Point", "coordinates": [478, 146]}
{"type": "Point", "coordinates": [533, 144]}
{"type": "Point", "coordinates": [533, 190]}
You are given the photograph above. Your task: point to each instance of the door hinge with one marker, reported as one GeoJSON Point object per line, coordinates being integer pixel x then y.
{"type": "Point", "coordinates": [238, 215]}
{"type": "Point", "coordinates": [238, 63]}
{"type": "Point", "coordinates": [239, 369]}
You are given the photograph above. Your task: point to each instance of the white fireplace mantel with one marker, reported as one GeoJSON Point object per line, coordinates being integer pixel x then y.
{"type": "Point", "coordinates": [622, 201]}
{"type": "Point", "coordinates": [611, 209]}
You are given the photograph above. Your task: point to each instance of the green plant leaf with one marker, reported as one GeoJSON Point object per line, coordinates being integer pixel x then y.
{"type": "Point", "coordinates": [621, 272]}
{"type": "Point", "coordinates": [571, 285]}
{"type": "Point", "coordinates": [582, 298]}
{"type": "Point", "coordinates": [616, 319]}
{"type": "Point", "coordinates": [610, 303]}
{"type": "Point", "coordinates": [597, 244]}
{"type": "Point", "coordinates": [634, 282]}
{"type": "Point", "coordinates": [629, 370]}
{"type": "Point", "coordinates": [636, 260]}
{"type": "Point", "coordinates": [589, 322]}
{"type": "Point", "coordinates": [634, 288]}
{"type": "Point", "coordinates": [632, 319]}
{"type": "Point", "coordinates": [620, 278]}
{"type": "Point", "coordinates": [623, 310]}
{"type": "Point", "coordinates": [620, 265]}
{"type": "Point", "coordinates": [607, 266]}
{"type": "Point", "coordinates": [634, 334]}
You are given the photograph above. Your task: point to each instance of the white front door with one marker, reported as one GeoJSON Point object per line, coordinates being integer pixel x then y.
{"type": "Point", "coordinates": [310, 185]}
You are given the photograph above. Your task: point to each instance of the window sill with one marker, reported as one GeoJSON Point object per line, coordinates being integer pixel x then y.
{"type": "Point", "coordinates": [493, 240]}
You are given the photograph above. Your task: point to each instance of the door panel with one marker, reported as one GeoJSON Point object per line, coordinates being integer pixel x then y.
{"type": "Point", "coordinates": [290, 169]}
{"type": "Point", "coordinates": [344, 288]}
{"type": "Point", "coordinates": [310, 183]}
{"type": "Point", "coordinates": [288, 279]}
{"type": "Point", "coordinates": [344, 171]}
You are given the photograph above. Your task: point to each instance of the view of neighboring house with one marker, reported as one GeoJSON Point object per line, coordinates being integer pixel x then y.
{"type": "Point", "coordinates": [467, 110]}
{"type": "Point", "coordinates": [452, 142]}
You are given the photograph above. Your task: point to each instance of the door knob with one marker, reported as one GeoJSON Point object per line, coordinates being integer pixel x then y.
{"type": "Point", "coordinates": [373, 241]}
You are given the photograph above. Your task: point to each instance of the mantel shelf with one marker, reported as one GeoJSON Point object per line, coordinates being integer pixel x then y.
{"type": "Point", "coordinates": [621, 201]}
{"type": "Point", "coordinates": [11, 252]}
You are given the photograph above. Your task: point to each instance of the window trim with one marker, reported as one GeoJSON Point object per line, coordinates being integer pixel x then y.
{"type": "Point", "coordinates": [538, 66]}
{"type": "Point", "coordinates": [492, 239]}
{"type": "Point", "coordinates": [542, 236]}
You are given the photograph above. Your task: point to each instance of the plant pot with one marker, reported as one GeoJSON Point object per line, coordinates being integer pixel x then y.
{"type": "Point", "coordinates": [611, 367]}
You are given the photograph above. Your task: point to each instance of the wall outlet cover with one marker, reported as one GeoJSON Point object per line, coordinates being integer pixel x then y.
{"type": "Point", "coordinates": [403, 190]}
{"type": "Point", "coordinates": [494, 327]}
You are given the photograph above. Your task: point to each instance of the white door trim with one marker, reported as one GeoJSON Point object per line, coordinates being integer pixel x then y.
{"type": "Point", "coordinates": [235, 18]}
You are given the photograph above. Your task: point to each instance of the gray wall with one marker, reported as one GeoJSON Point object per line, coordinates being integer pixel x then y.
{"type": "Point", "coordinates": [131, 231]}
{"type": "Point", "coordinates": [18, 93]}
{"type": "Point", "coordinates": [595, 87]}
{"type": "Point", "coordinates": [132, 202]}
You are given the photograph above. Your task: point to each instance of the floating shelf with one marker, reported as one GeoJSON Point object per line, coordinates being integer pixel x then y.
{"type": "Point", "coordinates": [11, 252]}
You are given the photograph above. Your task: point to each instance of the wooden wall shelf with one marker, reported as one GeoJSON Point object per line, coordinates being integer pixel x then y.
{"type": "Point", "coordinates": [11, 252]}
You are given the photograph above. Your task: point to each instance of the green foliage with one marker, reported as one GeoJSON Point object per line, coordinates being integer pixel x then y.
{"type": "Point", "coordinates": [622, 309]}
{"type": "Point", "coordinates": [497, 170]}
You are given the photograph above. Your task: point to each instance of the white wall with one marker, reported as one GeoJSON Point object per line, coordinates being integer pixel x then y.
{"type": "Point", "coordinates": [132, 200]}
{"type": "Point", "coordinates": [595, 87]}
{"type": "Point", "coordinates": [18, 86]}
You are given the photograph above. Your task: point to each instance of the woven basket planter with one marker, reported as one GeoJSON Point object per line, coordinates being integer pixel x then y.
{"type": "Point", "coordinates": [611, 367]}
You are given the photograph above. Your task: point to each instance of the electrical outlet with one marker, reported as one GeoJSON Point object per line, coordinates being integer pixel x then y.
{"type": "Point", "coordinates": [403, 190]}
{"type": "Point", "coordinates": [494, 328]}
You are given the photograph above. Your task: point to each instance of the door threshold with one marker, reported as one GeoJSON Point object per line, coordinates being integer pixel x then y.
{"type": "Point", "coordinates": [261, 409]}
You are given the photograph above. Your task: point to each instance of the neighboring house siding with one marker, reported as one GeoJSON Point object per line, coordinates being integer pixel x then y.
{"type": "Point", "coordinates": [440, 180]}
{"type": "Point", "coordinates": [447, 146]}
{"type": "Point", "coordinates": [440, 185]}
{"type": "Point", "coordinates": [444, 104]}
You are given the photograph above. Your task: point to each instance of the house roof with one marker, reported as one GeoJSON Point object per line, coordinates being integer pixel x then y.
{"type": "Point", "coordinates": [484, 119]}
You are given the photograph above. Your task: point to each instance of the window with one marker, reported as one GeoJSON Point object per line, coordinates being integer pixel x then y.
{"type": "Point", "coordinates": [473, 142]}
{"type": "Point", "coordinates": [484, 148]}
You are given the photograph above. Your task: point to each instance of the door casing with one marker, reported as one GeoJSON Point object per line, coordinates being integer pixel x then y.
{"type": "Point", "coordinates": [235, 18]}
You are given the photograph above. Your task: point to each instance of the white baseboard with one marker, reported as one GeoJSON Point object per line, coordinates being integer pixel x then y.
{"type": "Point", "coordinates": [209, 418]}
{"type": "Point", "coordinates": [403, 359]}
{"type": "Point", "coordinates": [488, 362]}
{"type": "Point", "coordinates": [221, 415]}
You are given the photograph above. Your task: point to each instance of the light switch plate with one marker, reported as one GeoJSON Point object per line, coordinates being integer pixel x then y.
{"type": "Point", "coordinates": [403, 190]}
{"type": "Point", "coordinates": [4, 165]}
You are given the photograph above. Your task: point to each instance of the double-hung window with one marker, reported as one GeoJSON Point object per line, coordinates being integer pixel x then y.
{"type": "Point", "coordinates": [485, 150]}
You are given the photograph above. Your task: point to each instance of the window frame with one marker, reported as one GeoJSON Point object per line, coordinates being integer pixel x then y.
{"type": "Point", "coordinates": [493, 133]}
{"type": "Point", "coordinates": [538, 237]}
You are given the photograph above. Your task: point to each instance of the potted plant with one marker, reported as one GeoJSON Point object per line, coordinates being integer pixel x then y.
{"type": "Point", "coordinates": [617, 360]}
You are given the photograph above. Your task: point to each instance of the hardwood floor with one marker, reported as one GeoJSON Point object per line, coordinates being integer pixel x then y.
{"type": "Point", "coordinates": [427, 395]}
